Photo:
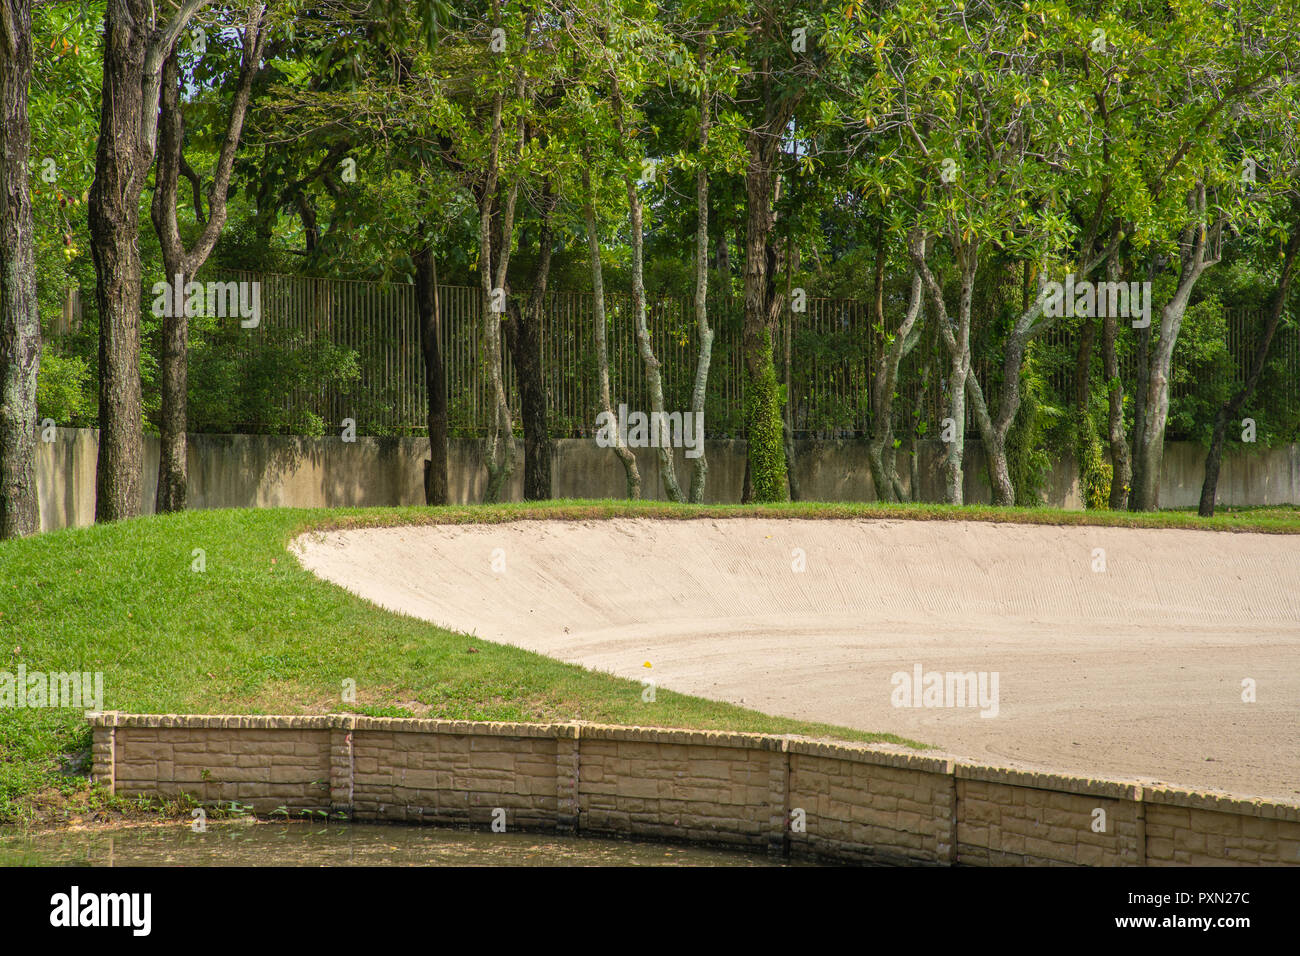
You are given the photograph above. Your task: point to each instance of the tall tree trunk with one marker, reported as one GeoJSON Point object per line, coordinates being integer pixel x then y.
{"type": "Point", "coordinates": [918, 410]}
{"type": "Point", "coordinates": [630, 469]}
{"type": "Point", "coordinates": [1150, 441]}
{"type": "Point", "coordinates": [787, 336]}
{"type": "Point", "coordinates": [436, 487]}
{"type": "Point", "coordinates": [20, 329]}
{"type": "Point", "coordinates": [763, 420]}
{"type": "Point", "coordinates": [883, 472]}
{"type": "Point", "coordinates": [173, 367]}
{"type": "Point", "coordinates": [135, 47]}
{"type": "Point", "coordinates": [496, 226]}
{"type": "Point", "coordinates": [1140, 393]}
{"type": "Point", "coordinates": [1121, 469]}
{"type": "Point", "coordinates": [764, 425]}
{"type": "Point", "coordinates": [121, 162]}
{"type": "Point", "coordinates": [700, 469]}
{"type": "Point", "coordinates": [880, 432]}
{"type": "Point", "coordinates": [1230, 409]}
{"type": "Point", "coordinates": [662, 439]}
{"type": "Point", "coordinates": [499, 448]}
{"type": "Point", "coordinates": [524, 338]}
{"type": "Point", "coordinates": [181, 264]}
{"type": "Point", "coordinates": [957, 343]}
{"type": "Point", "coordinates": [958, 371]}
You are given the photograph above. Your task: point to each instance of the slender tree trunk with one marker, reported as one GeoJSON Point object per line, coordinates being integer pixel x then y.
{"type": "Point", "coordinates": [496, 220]}
{"type": "Point", "coordinates": [763, 421]}
{"type": "Point", "coordinates": [310, 227]}
{"type": "Point", "coordinates": [524, 337]}
{"type": "Point", "coordinates": [994, 428]}
{"type": "Point", "coordinates": [181, 264]}
{"type": "Point", "coordinates": [625, 455]}
{"type": "Point", "coordinates": [173, 368]}
{"type": "Point", "coordinates": [880, 455]}
{"type": "Point", "coordinates": [881, 432]}
{"type": "Point", "coordinates": [931, 347]}
{"type": "Point", "coordinates": [436, 487]}
{"type": "Point", "coordinates": [667, 461]}
{"type": "Point", "coordinates": [700, 468]}
{"type": "Point", "coordinates": [661, 439]}
{"type": "Point", "coordinates": [957, 342]}
{"type": "Point", "coordinates": [1121, 469]}
{"type": "Point", "coordinates": [1149, 454]}
{"type": "Point", "coordinates": [500, 438]}
{"type": "Point", "coordinates": [958, 370]}
{"type": "Point", "coordinates": [1141, 392]}
{"type": "Point", "coordinates": [173, 373]}
{"type": "Point", "coordinates": [992, 436]}
{"type": "Point", "coordinates": [524, 334]}
{"type": "Point", "coordinates": [20, 330]}
{"type": "Point", "coordinates": [1230, 409]}
{"type": "Point", "coordinates": [787, 411]}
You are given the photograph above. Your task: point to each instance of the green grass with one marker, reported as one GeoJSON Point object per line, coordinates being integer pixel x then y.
{"type": "Point", "coordinates": [257, 634]}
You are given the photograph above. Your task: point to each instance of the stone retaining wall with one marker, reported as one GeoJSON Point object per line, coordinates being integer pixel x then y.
{"type": "Point", "coordinates": [268, 471]}
{"type": "Point", "coordinates": [783, 794]}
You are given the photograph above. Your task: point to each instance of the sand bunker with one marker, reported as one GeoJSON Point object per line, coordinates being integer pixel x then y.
{"type": "Point", "coordinates": [1135, 672]}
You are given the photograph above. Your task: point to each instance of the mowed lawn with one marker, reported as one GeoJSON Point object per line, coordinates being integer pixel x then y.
{"type": "Point", "coordinates": [254, 633]}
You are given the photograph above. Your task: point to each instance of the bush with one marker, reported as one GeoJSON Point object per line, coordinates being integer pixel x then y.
{"type": "Point", "coordinates": [61, 388]}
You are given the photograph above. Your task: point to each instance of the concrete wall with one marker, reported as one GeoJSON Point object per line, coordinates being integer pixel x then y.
{"type": "Point", "coordinates": [240, 471]}
{"type": "Point", "coordinates": [782, 794]}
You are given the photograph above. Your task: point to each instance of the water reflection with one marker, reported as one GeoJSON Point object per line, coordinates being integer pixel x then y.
{"type": "Point", "coordinates": [342, 844]}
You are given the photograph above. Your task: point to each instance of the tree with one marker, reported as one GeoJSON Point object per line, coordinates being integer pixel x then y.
{"type": "Point", "coordinates": [639, 54]}
{"type": "Point", "coordinates": [1230, 409]}
{"type": "Point", "coordinates": [778, 94]}
{"type": "Point", "coordinates": [523, 330]}
{"type": "Point", "coordinates": [700, 468]}
{"type": "Point", "coordinates": [971, 118]}
{"type": "Point", "coordinates": [371, 102]}
{"type": "Point", "coordinates": [20, 329]}
{"type": "Point", "coordinates": [182, 264]}
{"type": "Point", "coordinates": [436, 488]}
{"type": "Point", "coordinates": [1181, 188]}
{"type": "Point", "coordinates": [136, 44]}
{"type": "Point", "coordinates": [898, 343]}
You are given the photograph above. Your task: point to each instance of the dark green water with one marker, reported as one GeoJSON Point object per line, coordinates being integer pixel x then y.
{"type": "Point", "coordinates": [335, 844]}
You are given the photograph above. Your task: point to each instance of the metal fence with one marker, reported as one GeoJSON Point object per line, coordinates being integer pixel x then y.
{"type": "Point", "coordinates": [833, 345]}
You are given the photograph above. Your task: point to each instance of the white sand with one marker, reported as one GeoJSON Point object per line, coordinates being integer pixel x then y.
{"type": "Point", "coordinates": [1134, 673]}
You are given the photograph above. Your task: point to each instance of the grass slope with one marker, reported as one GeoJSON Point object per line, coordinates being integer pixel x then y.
{"type": "Point", "coordinates": [255, 633]}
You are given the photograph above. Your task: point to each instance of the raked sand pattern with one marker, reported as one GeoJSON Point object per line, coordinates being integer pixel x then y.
{"type": "Point", "coordinates": [1134, 672]}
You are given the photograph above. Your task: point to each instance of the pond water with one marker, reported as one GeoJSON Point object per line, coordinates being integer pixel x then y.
{"type": "Point", "coordinates": [342, 844]}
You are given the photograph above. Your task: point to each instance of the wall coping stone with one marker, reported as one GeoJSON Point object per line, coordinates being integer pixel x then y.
{"type": "Point", "coordinates": [1221, 803]}
{"type": "Point", "coordinates": [1119, 790]}
{"type": "Point", "coordinates": [865, 753]}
